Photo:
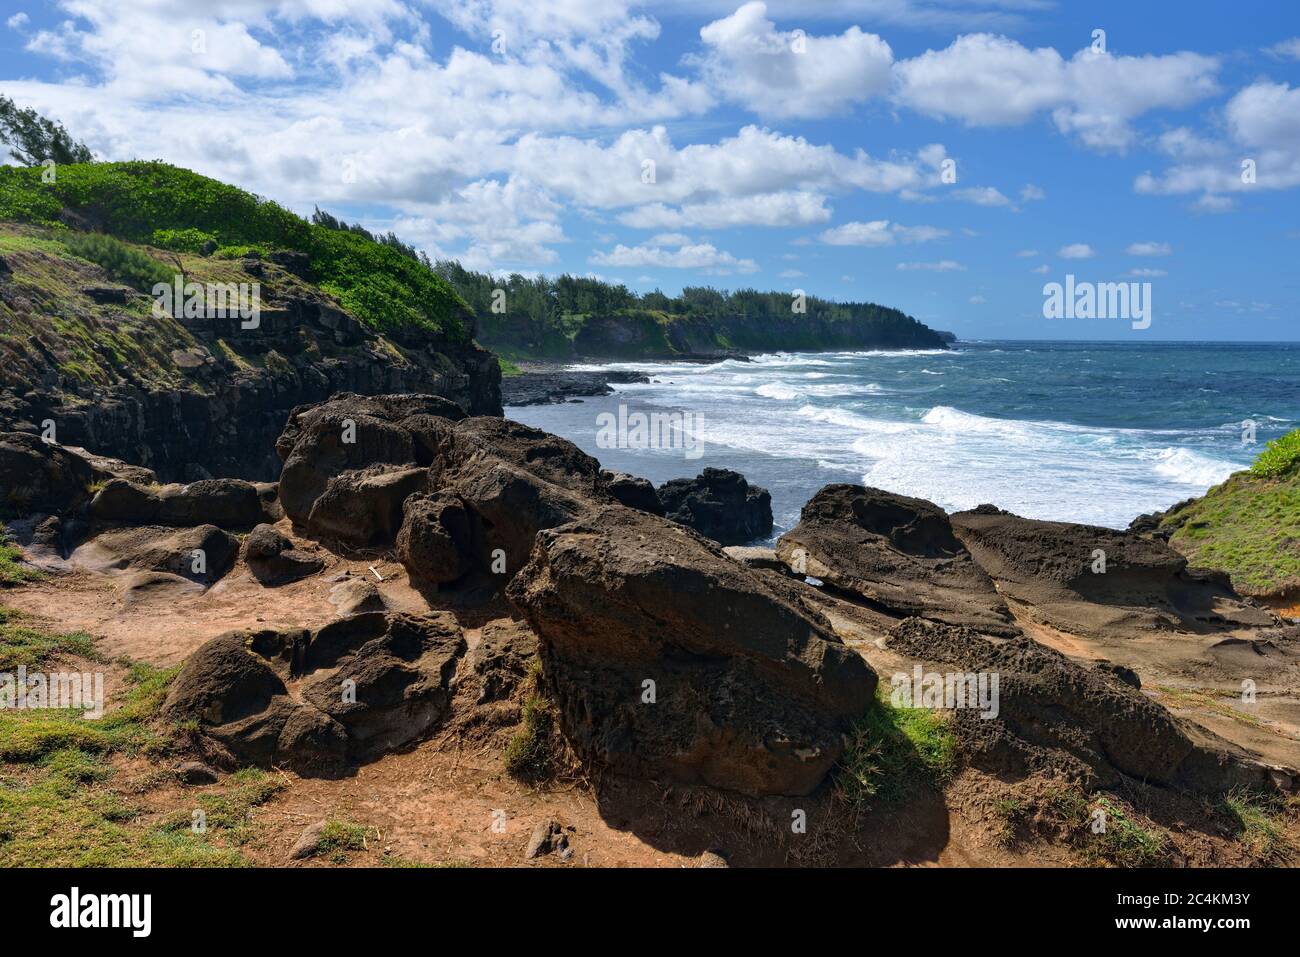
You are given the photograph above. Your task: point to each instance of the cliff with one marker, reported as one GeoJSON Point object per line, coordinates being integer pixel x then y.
{"type": "Point", "coordinates": [82, 346]}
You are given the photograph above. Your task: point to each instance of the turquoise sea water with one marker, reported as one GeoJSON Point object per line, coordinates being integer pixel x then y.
{"type": "Point", "coordinates": [1084, 432]}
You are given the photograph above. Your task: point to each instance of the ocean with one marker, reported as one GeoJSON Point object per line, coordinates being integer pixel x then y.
{"type": "Point", "coordinates": [1081, 432]}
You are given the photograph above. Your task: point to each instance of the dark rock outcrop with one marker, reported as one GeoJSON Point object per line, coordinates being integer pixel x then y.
{"type": "Point", "coordinates": [546, 388]}
{"type": "Point", "coordinates": [1057, 717]}
{"type": "Point", "coordinates": [667, 658]}
{"type": "Point", "coordinates": [719, 504]}
{"type": "Point", "coordinates": [228, 503]}
{"type": "Point", "coordinates": [272, 559]}
{"type": "Point", "coordinates": [1140, 584]}
{"type": "Point", "coordinates": [896, 552]}
{"type": "Point", "coordinates": [634, 492]}
{"type": "Point", "coordinates": [38, 476]}
{"type": "Point", "coordinates": [356, 689]}
{"type": "Point", "coordinates": [201, 554]}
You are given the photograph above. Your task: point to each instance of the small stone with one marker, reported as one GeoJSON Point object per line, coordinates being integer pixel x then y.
{"type": "Point", "coordinates": [308, 841]}
{"type": "Point", "coordinates": [540, 842]}
{"type": "Point", "coordinates": [712, 858]}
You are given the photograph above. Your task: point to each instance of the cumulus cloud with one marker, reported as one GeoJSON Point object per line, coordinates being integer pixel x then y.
{"type": "Point", "coordinates": [783, 74]}
{"type": "Point", "coordinates": [880, 232]}
{"type": "Point", "coordinates": [703, 256]}
{"type": "Point", "coordinates": [1076, 251]}
{"type": "Point", "coordinates": [1149, 249]}
{"type": "Point", "coordinates": [986, 80]}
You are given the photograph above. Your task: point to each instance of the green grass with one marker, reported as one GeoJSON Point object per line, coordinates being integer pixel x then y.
{"type": "Point", "coordinates": [528, 755]}
{"type": "Point", "coordinates": [1249, 527]}
{"type": "Point", "coordinates": [338, 838]}
{"type": "Point", "coordinates": [891, 752]}
{"type": "Point", "coordinates": [21, 644]}
{"type": "Point", "coordinates": [57, 805]}
{"type": "Point", "coordinates": [1259, 819]}
{"type": "Point", "coordinates": [12, 573]}
{"type": "Point", "coordinates": [508, 368]}
{"type": "Point", "coordinates": [1124, 842]}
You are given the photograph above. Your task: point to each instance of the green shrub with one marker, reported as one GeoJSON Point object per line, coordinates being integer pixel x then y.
{"type": "Point", "coordinates": [119, 260]}
{"type": "Point", "coordinates": [1279, 456]}
{"type": "Point", "coordinates": [528, 754]}
{"type": "Point", "coordinates": [182, 240]}
{"type": "Point", "coordinates": [891, 751]}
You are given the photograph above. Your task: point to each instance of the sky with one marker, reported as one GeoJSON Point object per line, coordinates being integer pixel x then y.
{"type": "Point", "coordinates": [945, 157]}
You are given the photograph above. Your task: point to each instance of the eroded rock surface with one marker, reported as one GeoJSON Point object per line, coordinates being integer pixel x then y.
{"type": "Point", "coordinates": [750, 692]}
{"type": "Point", "coordinates": [316, 702]}
{"type": "Point", "coordinates": [896, 552]}
{"type": "Point", "coordinates": [719, 504]}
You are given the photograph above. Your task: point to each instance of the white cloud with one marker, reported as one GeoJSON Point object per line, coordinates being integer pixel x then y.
{"type": "Point", "coordinates": [945, 265]}
{"type": "Point", "coordinates": [1287, 49]}
{"type": "Point", "coordinates": [987, 80]}
{"type": "Point", "coordinates": [703, 256]}
{"type": "Point", "coordinates": [1030, 193]}
{"type": "Point", "coordinates": [1149, 249]}
{"type": "Point", "coordinates": [785, 74]}
{"type": "Point", "coordinates": [1042, 270]}
{"type": "Point", "coordinates": [1076, 251]}
{"type": "Point", "coordinates": [787, 208]}
{"type": "Point", "coordinates": [17, 21]}
{"type": "Point", "coordinates": [1146, 273]}
{"type": "Point", "coordinates": [982, 196]}
{"type": "Point", "coordinates": [880, 232]}
{"type": "Point", "coordinates": [1027, 253]}
{"type": "Point", "coordinates": [976, 300]}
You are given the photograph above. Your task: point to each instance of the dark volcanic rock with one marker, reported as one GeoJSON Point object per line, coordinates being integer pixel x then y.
{"type": "Point", "coordinates": [719, 504]}
{"type": "Point", "coordinates": [500, 661]}
{"type": "Point", "coordinates": [37, 476]}
{"type": "Point", "coordinates": [272, 559]}
{"type": "Point", "coordinates": [1047, 569]}
{"type": "Point", "coordinates": [1058, 717]}
{"type": "Point", "coordinates": [356, 689]}
{"type": "Point", "coordinates": [543, 388]}
{"type": "Point", "coordinates": [750, 692]}
{"type": "Point", "coordinates": [438, 539]}
{"type": "Point", "coordinates": [898, 553]}
{"type": "Point", "coordinates": [201, 554]}
{"type": "Point", "coordinates": [634, 492]}
{"type": "Point", "coordinates": [228, 503]}
{"type": "Point", "coordinates": [364, 507]}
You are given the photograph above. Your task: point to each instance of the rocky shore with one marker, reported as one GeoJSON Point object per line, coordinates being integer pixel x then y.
{"type": "Point", "coordinates": [663, 658]}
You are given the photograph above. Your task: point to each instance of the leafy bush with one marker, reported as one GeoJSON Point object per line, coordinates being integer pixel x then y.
{"type": "Point", "coordinates": [182, 240]}
{"type": "Point", "coordinates": [119, 260]}
{"type": "Point", "coordinates": [1279, 456]}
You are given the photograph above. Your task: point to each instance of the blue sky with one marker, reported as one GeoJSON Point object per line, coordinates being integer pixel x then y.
{"type": "Point", "coordinates": [795, 145]}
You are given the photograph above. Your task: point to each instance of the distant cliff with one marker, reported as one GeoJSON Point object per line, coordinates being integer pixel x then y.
{"type": "Point", "coordinates": [570, 316]}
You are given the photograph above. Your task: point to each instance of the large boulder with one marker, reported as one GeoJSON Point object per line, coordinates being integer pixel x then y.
{"type": "Point", "coordinates": [226, 503]}
{"type": "Point", "coordinates": [318, 702]}
{"type": "Point", "coordinates": [202, 554]}
{"type": "Point", "coordinates": [896, 552]}
{"type": "Point", "coordinates": [273, 560]}
{"type": "Point", "coordinates": [667, 658]}
{"type": "Point", "coordinates": [437, 541]}
{"type": "Point", "coordinates": [1055, 717]}
{"type": "Point", "coordinates": [38, 476]}
{"type": "Point", "coordinates": [634, 492]}
{"type": "Point", "coordinates": [719, 504]}
{"type": "Point", "coordinates": [363, 507]}
{"type": "Point", "coordinates": [1099, 582]}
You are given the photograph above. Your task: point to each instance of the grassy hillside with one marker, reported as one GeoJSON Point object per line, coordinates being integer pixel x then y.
{"type": "Point", "coordinates": [169, 208]}
{"type": "Point", "coordinates": [1249, 526]}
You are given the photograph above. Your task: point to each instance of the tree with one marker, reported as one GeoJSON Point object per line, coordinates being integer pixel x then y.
{"type": "Point", "coordinates": [32, 139]}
